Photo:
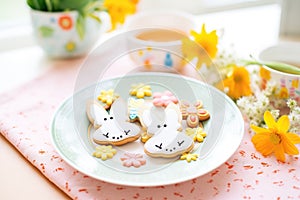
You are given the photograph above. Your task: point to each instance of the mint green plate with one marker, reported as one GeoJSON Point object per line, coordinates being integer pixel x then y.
{"type": "Point", "coordinates": [225, 129]}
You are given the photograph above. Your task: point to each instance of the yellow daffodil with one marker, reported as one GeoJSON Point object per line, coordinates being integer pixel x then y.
{"type": "Point", "coordinates": [203, 47]}
{"type": "Point", "coordinates": [238, 83]}
{"type": "Point", "coordinates": [119, 9]}
{"type": "Point", "coordinates": [275, 138]}
{"type": "Point", "coordinates": [208, 41]}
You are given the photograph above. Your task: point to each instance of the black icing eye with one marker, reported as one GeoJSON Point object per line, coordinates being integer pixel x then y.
{"type": "Point", "coordinates": [165, 125]}
{"type": "Point", "coordinates": [158, 126]}
{"type": "Point", "coordinates": [111, 118]}
{"type": "Point", "coordinates": [105, 119]}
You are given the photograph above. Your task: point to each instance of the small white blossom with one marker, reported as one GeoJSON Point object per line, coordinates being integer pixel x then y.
{"type": "Point", "coordinates": [275, 113]}
{"type": "Point", "coordinates": [291, 103]}
{"type": "Point", "coordinates": [256, 105]}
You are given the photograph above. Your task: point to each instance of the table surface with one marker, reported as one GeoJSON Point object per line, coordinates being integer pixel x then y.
{"type": "Point", "coordinates": [250, 30]}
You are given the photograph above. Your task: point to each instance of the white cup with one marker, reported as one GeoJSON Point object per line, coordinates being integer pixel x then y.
{"type": "Point", "coordinates": [152, 53]}
{"type": "Point", "coordinates": [287, 85]}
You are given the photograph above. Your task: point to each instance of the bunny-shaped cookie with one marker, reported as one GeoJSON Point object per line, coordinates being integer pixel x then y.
{"type": "Point", "coordinates": [166, 140]}
{"type": "Point", "coordinates": [112, 128]}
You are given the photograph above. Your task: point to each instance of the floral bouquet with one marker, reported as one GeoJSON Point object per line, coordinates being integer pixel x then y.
{"type": "Point", "coordinates": [274, 116]}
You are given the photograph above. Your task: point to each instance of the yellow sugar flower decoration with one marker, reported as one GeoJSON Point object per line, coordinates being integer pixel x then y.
{"type": "Point", "coordinates": [198, 134]}
{"type": "Point", "coordinates": [275, 138]}
{"type": "Point", "coordinates": [237, 84]}
{"type": "Point", "coordinates": [104, 152]}
{"type": "Point", "coordinates": [203, 47]}
{"type": "Point", "coordinates": [119, 9]}
{"type": "Point", "coordinates": [189, 157]}
{"type": "Point", "coordinates": [107, 97]}
{"type": "Point", "coordinates": [190, 132]}
{"type": "Point", "coordinates": [140, 90]}
{"type": "Point", "coordinates": [208, 41]}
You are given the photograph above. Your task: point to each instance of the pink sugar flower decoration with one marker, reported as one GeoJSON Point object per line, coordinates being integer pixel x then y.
{"type": "Point", "coordinates": [164, 99]}
{"type": "Point", "coordinates": [132, 159]}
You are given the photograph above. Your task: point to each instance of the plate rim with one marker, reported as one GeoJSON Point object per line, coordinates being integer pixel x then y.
{"type": "Point", "coordinates": [137, 184]}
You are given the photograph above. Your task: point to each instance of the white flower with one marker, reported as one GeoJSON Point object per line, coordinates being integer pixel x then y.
{"type": "Point", "coordinates": [291, 103]}
{"type": "Point", "coordinates": [275, 113]}
{"type": "Point", "coordinates": [296, 110]}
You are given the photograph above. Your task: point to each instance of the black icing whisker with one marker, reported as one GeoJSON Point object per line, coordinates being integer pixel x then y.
{"type": "Point", "coordinates": [159, 146]}
{"type": "Point", "coordinates": [180, 143]}
{"type": "Point", "coordinates": [106, 135]}
{"type": "Point", "coordinates": [126, 132]}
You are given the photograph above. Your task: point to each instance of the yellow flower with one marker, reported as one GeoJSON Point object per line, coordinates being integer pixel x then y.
{"type": "Point", "coordinates": [275, 138]}
{"type": "Point", "coordinates": [208, 47]}
{"type": "Point", "coordinates": [264, 74]}
{"type": "Point", "coordinates": [208, 41]}
{"type": "Point", "coordinates": [238, 83]}
{"type": "Point", "coordinates": [198, 134]}
{"type": "Point", "coordinates": [284, 93]}
{"type": "Point", "coordinates": [108, 97]}
{"type": "Point", "coordinates": [104, 152]}
{"type": "Point", "coordinates": [189, 157]}
{"type": "Point", "coordinates": [140, 90]}
{"type": "Point", "coordinates": [145, 137]}
{"type": "Point", "coordinates": [119, 9]}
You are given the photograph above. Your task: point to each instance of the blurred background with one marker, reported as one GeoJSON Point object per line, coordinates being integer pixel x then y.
{"type": "Point", "coordinates": [15, 27]}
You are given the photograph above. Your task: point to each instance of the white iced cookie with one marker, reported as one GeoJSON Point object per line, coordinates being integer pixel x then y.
{"type": "Point", "coordinates": [167, 141]}
{"type": "Point", "coordinates": [112, 128]}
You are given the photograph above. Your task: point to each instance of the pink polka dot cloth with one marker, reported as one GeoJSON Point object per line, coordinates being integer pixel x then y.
{"type": "Point", "coordinates": [25, 118]}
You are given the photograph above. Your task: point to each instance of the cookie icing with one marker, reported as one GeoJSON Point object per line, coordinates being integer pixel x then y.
{"type": "Point", "coordinates": [140, 90]}
{"type": "Point", "coordinates": [168, 141]}
{"type": "Point", "coordinates": [193, 113]}
{"type": "Point", "coordinates": [107, 97]}
{"type": "Point", "coordinates": [132, 159]}
{"type": "Point", "coordinates": [164, 99]}
{"type": "Point", "coordinates": [134, 105]}
{"type": "Point", "coordinates": [112, 127]}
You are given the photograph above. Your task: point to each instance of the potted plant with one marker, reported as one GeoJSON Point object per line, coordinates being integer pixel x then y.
{"type": "Point", "coordinates": [69, 28]}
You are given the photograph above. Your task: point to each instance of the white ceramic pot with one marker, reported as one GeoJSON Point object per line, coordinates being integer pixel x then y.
{"type": "Point", "coordinates": [58, 36]}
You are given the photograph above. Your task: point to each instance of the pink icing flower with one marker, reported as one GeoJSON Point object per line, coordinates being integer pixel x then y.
{"type": "Point", "coordinates": [164, 99]}
{"type": "Point", "coordinates": [132, 159]}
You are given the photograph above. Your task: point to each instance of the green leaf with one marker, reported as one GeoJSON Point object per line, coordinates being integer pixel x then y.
{"type": "Point", "coordinates": [95, 17]}
{"type": "Point", "coordinates": [37, 4]}
{"type": "Point", "coordinates": [94, 6]}
{"type": "Point", "coordinates": [80, 26]}
{"type": "Point", "coordinates": [73, 4]}
{"type": "Point", "coordinates": [46, 31]}
{"type": "Point", "coordinates": [49, 5]}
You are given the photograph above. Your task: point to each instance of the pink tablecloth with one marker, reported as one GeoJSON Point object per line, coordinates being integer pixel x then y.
{"type": "Point", "coordinates": [24, 121]}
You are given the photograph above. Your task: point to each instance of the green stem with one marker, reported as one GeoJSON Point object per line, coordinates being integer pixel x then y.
{"type": "Point", "coordinates": [283, 67]}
